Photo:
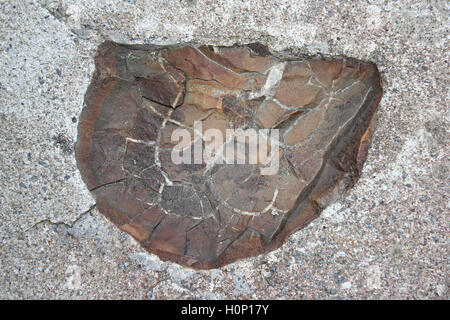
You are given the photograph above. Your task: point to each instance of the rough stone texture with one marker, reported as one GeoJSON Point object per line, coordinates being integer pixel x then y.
{"type": "Point", "coordinates": [388, 238]}
{"type": "Point", "coordinates": [207, 214]}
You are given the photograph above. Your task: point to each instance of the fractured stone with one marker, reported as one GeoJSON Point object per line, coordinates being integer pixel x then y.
{"type": "Point", "coordinates": [205, 215]}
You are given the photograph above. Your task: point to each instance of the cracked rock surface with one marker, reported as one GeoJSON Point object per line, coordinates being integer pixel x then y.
{"type": "Point", "coordinates": [387, 238]}
{"type": "Point", "coordinates": [207, 213]}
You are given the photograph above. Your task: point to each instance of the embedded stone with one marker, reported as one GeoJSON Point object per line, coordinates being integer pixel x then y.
{"type": "Point", "coordinates": [208, 196]}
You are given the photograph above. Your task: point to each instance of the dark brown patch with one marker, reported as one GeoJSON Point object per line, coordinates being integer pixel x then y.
{"type": "Point", "coordinates": [201, 215]}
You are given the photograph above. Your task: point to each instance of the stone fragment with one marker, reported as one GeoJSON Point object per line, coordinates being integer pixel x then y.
{"type": "Point", "coordinates": [209, 213]}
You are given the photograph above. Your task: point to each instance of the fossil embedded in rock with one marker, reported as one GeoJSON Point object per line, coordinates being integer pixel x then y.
{"type": "Point", "coordinates": [208, 213]}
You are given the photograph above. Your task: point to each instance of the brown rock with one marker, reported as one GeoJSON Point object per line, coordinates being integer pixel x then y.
{"type": "Point", "coordinates": [297, 88]}
{"type": "Point", "coordinates": [207, 214]}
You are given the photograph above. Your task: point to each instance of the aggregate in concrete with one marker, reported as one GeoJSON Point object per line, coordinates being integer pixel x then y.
{"type": "Point", "coordinates": [388, 238]}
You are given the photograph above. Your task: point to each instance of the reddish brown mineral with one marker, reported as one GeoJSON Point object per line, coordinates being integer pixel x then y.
{"type": "Point", "coordinates": [205, 215]}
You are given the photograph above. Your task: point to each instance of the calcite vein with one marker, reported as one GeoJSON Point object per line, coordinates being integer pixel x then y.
{"type": "Point", "coordinates": [208, 214]}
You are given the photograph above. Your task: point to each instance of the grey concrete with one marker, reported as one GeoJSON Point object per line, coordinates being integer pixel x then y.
{"type": "Point", "coordinates": [388, 238]}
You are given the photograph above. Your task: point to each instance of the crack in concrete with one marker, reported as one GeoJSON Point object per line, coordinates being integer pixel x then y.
{"type": "Point", "coordinates": [61, 223]}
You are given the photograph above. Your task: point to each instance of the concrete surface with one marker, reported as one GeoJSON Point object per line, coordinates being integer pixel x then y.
{"type": "Point", "coordinates": [387, 239]}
